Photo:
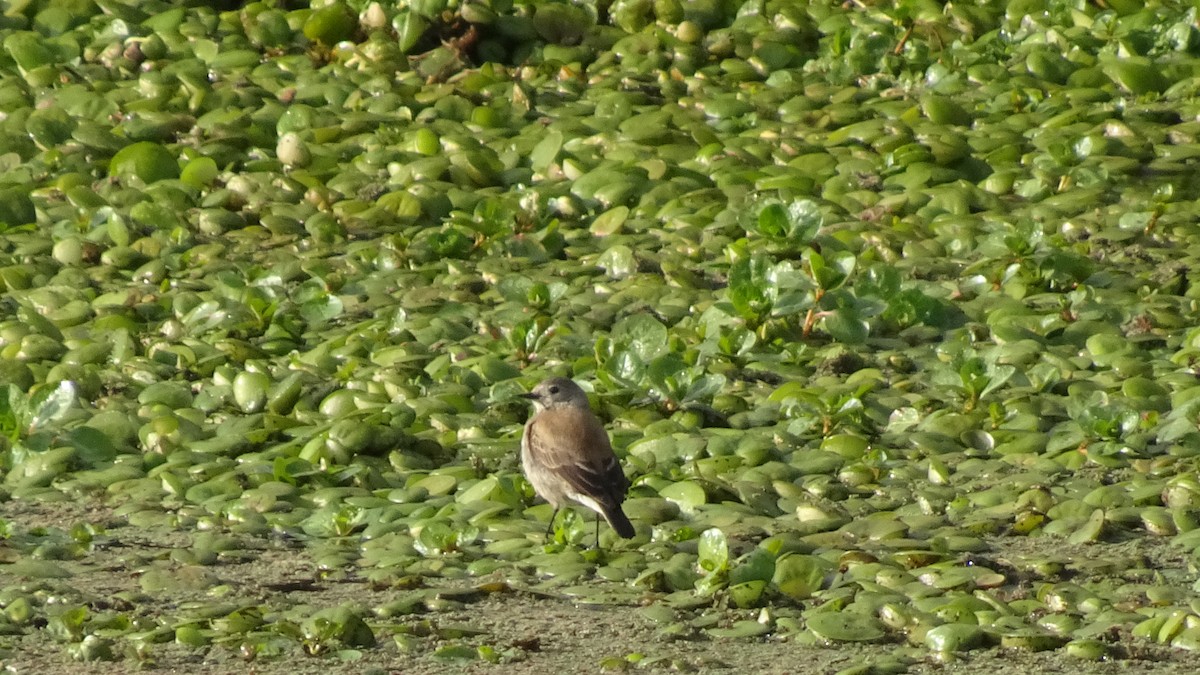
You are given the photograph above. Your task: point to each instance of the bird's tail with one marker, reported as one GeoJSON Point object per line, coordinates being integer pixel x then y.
{"type": "Point", "coordinates": [618, 521]}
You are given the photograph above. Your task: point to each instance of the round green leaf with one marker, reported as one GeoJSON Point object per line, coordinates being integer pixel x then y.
{"type": "Point", "coordinates": [146, 161]}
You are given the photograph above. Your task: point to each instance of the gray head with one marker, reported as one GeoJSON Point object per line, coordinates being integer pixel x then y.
{"type": "Point", "coordinates": [557, 392]}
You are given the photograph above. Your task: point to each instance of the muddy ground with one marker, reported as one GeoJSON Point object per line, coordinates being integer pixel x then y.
{"type": "Point", "coordinates": [530, 631]}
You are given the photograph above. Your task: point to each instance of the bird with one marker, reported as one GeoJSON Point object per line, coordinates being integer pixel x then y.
{"type": "Point", "coordinates": [567, 457]}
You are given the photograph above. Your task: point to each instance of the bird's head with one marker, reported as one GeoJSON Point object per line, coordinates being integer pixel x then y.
{"type": "Point", "coordinates": [557, 392]}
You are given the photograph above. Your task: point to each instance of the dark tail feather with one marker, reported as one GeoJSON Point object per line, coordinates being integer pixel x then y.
{"type": "Point", "coordinates": [619, 521]}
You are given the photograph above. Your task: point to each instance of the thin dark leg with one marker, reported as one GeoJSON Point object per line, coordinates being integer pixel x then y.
{"type": "Point", "coordinates": [550, 525]}
{"type": "Point", "coordinates": [597, 530]}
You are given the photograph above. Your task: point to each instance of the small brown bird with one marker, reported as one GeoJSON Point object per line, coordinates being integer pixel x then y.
{"type": "Point", "coordinates": [567, 457]}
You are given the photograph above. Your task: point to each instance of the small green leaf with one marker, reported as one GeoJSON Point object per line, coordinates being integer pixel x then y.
{"type": "Point", "coordinates": [882, 281]}
{"type": "Point", "coordinates": [28, 49]}
{"type": "Point", "coordinates": [844, 626]}
{"type": "Point", "coordinates": [830, 273]}
{"type": "Point", "coordinates": [773, 221]}
{"type": "Point", "coordinates": [641, 334]}
{"type": "Point", "coordinates": [845, 325]}
{"type": "Point", "coordinates": [49, 404]}
{"type": "Point", "coordinates": [1091, 530]}
{"type": "Point", "coordinates": [796, 224]}
{"type": "Point", "coordinates": [664, 373]}
{"type": "Point", "coordinates": [545, 153]}
{"type": "Point", "coordinates": [191, 635]}
{"type": "Point", "coordinates": [747, 594]}
{"type": "Point", "coordinates": [705, 387]}
{"type": "Point", "coordinates": [757, 565]}
{"type": "Point", "coordinates": [330, 24]}
{"type": "Point", "coordinates": [687, 494]}
{"type": "Point", "coordinates": [16, 208]}
{"type": "Point", "coordinates": [998, 377]}
{"type": "Point", "coordinates": [321, 310]}
{"type": "Point", "coordinates": [1136, 74]}
{"type": "Point", "coordinates": [953, 637]}
{"type": "Point", "coordinates": [748, 288]}
{"type": "Point", "coordinates": [800, 576]}
{"type": "Point", "coordinates": [456, 652]}
{"type": "Point", "coordinates": [944, 110]}
{"type": "Point", "coordinates": [610, 221]}
{"type": "Point", "coordinates": [806, 219]}
{"type": "Point", "coordinates": [714, 551]}
{"type": "Point", "coordinates": [146, 161]}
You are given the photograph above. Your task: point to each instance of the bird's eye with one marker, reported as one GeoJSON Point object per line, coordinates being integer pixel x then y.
{"type": "Point", "coordinates": [554, 389]}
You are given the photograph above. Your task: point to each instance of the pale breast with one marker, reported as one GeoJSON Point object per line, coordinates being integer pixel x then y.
{"type": "Point", "coordinates": [548, 486]}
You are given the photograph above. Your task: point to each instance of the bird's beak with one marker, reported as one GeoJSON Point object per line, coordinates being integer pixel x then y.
{"type": "Point", "coordinates": [531, 396]}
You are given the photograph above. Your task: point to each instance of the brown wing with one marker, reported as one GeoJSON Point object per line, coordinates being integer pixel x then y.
{"type": "Point", "coordinates": [572, 444]}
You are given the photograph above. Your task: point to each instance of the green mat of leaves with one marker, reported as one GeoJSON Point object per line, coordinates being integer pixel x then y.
{"type": "Point", "coordinates": [888, 307]}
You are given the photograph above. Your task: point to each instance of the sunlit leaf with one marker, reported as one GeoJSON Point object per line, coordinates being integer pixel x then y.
{"type": "Point", "coordinates": [49, 404]}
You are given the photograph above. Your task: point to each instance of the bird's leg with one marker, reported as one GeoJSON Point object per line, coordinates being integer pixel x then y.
{"type": "Point", "coordinates": [550, 525]}
{"type": "Point", "coordinates": [597, 531]}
